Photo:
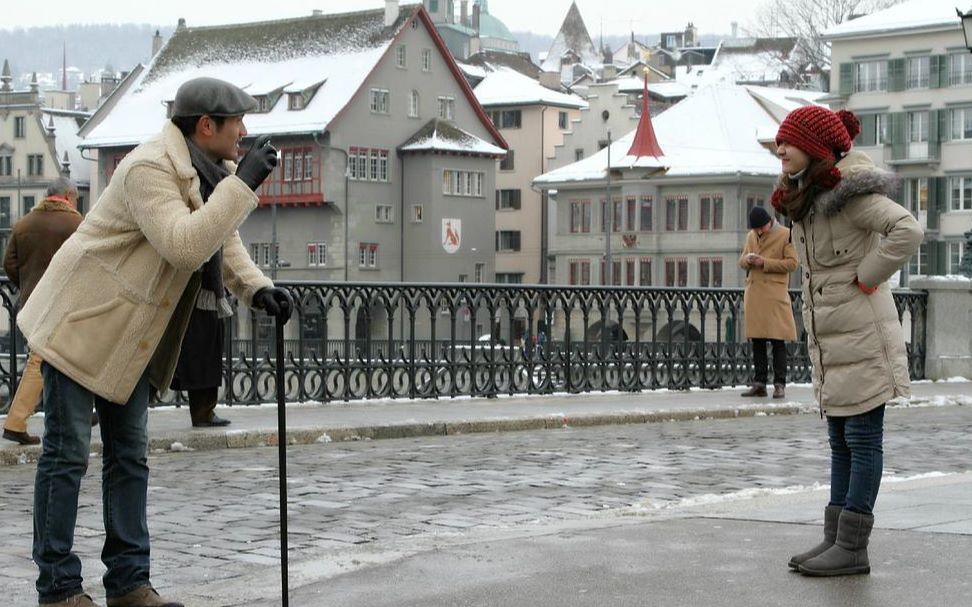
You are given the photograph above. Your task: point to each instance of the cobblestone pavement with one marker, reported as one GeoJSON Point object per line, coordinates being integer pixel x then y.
{"type": "Point", "coordinates": [213, 515]}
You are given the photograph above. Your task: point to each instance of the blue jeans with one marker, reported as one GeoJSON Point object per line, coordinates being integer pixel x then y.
{"type": "Point", "coordinates": [856, 459]}
{"type": "Point", "coordinates": [124, 479]}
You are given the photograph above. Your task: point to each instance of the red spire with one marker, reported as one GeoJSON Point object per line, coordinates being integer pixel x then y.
{"type": "Point", "coordinates": [644, 143]}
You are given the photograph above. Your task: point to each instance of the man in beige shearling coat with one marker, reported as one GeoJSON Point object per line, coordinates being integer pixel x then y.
{"type": "Point", "coordinates": [108, 317]}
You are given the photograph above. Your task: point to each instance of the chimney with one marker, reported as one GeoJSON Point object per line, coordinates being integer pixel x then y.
{"type": "Point", "coordinates": [551, 80]}
{"type": "Point", "coordinates": [735, 29]}
{"type": "Point", "coordinates": [316, 12]}
{"type": "Point", "coordinates": [391, 12]}
{"type": "Point", "coordinates": [464, 13]}
{"type": "Point", "coordinates": [475, 19]}
{"type": "Point", "coordinates": [181, 25]}
{"type": "Point", "coordinates": [156, 43]}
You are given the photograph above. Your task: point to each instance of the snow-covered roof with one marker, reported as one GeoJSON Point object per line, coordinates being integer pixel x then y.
{"type": "Point", "coordinates": [442, 136]}
{"type": "Point", "coordinates": [911, 15]}
{"type": "Point", "coordinates": [573, 36]}
{"type": "Point", "coordinates": [339, 50]}
{"type": "Point", "coordinates": [506, 86]}
{"type": "Point", "coordinates": [66, 140]}
{"type": "Point", "coordinates": [668, 89]}
{"type": "Point", "coordinates": [713, 132]}
{"type": "Point", "coordinates": [753, 59]}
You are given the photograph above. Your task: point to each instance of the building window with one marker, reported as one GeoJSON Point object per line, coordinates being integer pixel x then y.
{"type": "Point", "coordinates": [4, 212]}
{"type": "Point", "coordinates": [6, 165]}
{"type": "Point", "coordinates": [509, 278]}
{"type": "Point", "coordinates": [959, 68]}
{"type": "Point", "coordinates": [479, 272]}
{"type": "Point", "coordinates": [508, 240]}
{"type": "Point", "coordinates": [379, 101]}
{"type": "Point", "coordinates": [383, 213]}
{"type": "Point", "coordinates": [580, 216]}
{"type": "Point", "coordinates": [710, 212]}
{"type": "Point", "coordinates": [506, 119]}
{"type": "Point", "coordinates": [400, 56]}
{"type": "Point", "coordinates": [916, 195]}
{"type": "Point", "coordinates": [646, 213]}
{"type": "Point", "coordinates": [367, 164]}
{"type": "Point", "coordinates": [676, 213]}
{"type": "Point", "coordinates": [260, 253]}
{"type": "Point", "coordinates": [433, 6]}
{"type": "Point", "coordinates": [960, 193]}
{"type": "Point", "coordinates": [630, 214]}
{"type": "Point", "coordinates": [413, 104]}
{"type": "Point", "coordinates": [871, 76]}
{"type": "Point", "coordinates": [417, 212]}
{"type": "Point", "coordinates": [629, 272]}
{"type": "Point", "coordinates": [316, 254]}
{"type": "Point", "coordinates": [562, 121]}
{"type": "Point", "coordinates": [918, 68]}
{"type": "Point", "coordinates": [29, 202]}
{"type": "Point", "coordinates": [426, 60]}
{"type": "Point", "coordinates": [918, 264]}
{"type": "Point", "coordinates": [507, 163]}
{"type": "Point", "coordinates": [918, 127]}
{"type": "Point", "coordinates": [295, 101]}
{"type": "Point", "coordinates": [20, 127]}
{"type": "Point", "coordinates": [35, 165]}
{"type": "Point", "coordinates": [463, 183]}
{"type": "Point", "coordinates": [676, 272]}
{"type": "Point", "coordinates": [578, 154]}
{"type": "Point", "coordinates": [447, 108]}
{"type": "Point", "coordinates": [616, 215]}
{"type": "Point", "coordinates": [710, 272]}
{"type": "Point", "coordinates": [264, 104]}
{"type": "Point", "coordinates": [579, 272]}
{"type": "Point", "coordinates": [955, 250]}
{"type": "Point", "coordinates": [644, 271]}
{"type": "Point", "coordinates": [368, 255]}
{"type": "Point", "coordinates": [961, 123]}
{"type": "Point", "coordinates": [507, 200]}
{"type": "Point", "coordinates": [615, 274]}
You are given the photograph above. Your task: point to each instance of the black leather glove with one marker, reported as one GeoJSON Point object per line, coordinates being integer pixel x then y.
{"type": "Point", "coordinates": [275, 301]}
{"type": "Point", "coordinates": [258, 162]}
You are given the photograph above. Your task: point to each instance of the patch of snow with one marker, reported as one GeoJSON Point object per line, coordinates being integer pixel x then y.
{"type": "Point", "coordinates": [915, 14]}
{"type": "Point", "coordinates": [506, 86]}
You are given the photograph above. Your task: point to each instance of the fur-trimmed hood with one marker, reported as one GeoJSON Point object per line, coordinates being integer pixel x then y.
{"type": "Point", "coordinates": [859, 176]}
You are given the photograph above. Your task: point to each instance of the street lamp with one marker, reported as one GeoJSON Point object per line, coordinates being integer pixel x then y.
{"type": "Point", "coordinates": [966, 26]}
{"type": "Point", "coordinates": [965, 267]}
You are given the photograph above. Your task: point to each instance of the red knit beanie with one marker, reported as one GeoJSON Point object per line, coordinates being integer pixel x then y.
{"type": "Point", "coordinates": [818, 131]}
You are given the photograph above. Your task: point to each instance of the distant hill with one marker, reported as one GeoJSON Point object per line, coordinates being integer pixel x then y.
{"type": "Point", "coordinates": [89, 47]}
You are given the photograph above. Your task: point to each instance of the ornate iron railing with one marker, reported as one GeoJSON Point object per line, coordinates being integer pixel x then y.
{"type": "Point", "coordinates": [360, 341]}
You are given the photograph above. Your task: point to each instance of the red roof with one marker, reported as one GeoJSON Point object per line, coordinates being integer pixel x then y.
{"type": "Point", "coordinates": [644, 143]}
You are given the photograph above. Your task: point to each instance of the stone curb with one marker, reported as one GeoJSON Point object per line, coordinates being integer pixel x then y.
{"type": "Point", "coordinates": [211, 440]}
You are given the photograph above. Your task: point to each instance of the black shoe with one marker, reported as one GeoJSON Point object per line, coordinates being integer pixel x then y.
{"type": "Point", "coordinates": [21, 437]}
{"type": "Point", "coordinates": [213, 422]}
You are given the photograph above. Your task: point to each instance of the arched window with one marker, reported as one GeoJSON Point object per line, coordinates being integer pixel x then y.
{"type": "Point", "coordinates": [413, 104]}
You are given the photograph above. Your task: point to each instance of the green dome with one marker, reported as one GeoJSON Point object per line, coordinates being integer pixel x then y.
{"type": "Point", "coordinates": [490, 26]}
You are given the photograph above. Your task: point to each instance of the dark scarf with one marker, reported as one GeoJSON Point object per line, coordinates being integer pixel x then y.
{"type": "Point", "coordinates": [212, 295]}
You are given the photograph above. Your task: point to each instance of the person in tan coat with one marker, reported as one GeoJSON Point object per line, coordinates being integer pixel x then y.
{"type": "Point", "coordinates": [108, 317]}
{"type": "Point", "coordinates": [850, 237]}
{"type": "Point", "coordinates": [33, 242]}
{"type": "Point", "coordinates": [768, 258]}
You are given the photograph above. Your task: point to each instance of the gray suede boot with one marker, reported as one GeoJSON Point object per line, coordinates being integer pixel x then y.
{"type": "Point", "coordinates": [848, 555]}
{"type": "Point", "coordinates": [831, 514]}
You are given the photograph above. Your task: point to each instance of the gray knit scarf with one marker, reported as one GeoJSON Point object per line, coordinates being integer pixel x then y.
{"type": "Point", "coordinates": [212, 295]}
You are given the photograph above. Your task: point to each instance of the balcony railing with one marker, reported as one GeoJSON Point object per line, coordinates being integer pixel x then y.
{"type": "Point", "coordinates": [362, 341]}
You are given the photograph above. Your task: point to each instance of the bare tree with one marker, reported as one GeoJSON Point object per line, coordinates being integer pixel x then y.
{"type": "Point", "coordinates": [806, 21]}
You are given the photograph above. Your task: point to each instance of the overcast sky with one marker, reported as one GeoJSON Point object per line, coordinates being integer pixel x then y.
{"type": "Point", "coordinates": [539, 16]}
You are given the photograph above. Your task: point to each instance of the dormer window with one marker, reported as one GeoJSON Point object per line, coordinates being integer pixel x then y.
{"type": "Point", "coordinates": [295, 101]}
{"type": "Point", "coordinates": [264, 104]}
{"type": "Point", "coordinates": [299, 99]}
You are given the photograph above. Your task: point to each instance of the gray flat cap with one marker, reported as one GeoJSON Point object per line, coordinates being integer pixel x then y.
{"type": "Point", "coordinates": [213, 97]}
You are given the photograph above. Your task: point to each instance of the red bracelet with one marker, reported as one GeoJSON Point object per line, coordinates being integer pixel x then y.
{"type": "Point", "coordinates": [863, 287]}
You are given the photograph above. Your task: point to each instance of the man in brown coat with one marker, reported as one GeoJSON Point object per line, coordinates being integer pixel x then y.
{"type": "Point", "coordinates": [768, 259]}
{"type": "Point", "coordinates": [33, 242]}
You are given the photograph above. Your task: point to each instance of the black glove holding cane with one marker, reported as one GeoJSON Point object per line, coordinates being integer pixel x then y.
{"type": "Point", "coordinates": [275, 301]}
{"type": "Point", "coordinates": [258, 162]}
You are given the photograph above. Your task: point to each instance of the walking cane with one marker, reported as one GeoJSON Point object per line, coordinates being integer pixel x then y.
{"type": "Point", "coordinates": [282, 454]}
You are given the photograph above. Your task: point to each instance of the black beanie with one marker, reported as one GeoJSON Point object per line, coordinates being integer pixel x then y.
{"type": "Point", "coordinates": [758, 217]}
